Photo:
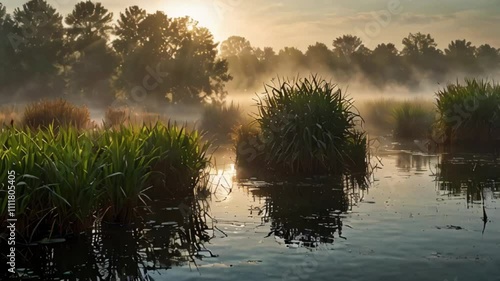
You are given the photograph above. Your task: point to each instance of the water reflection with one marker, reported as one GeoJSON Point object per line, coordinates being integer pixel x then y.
{"type": "Point", "coordinates": [306, 214]}
{"type": "Point", "coordinates": [414, 162]}
{"type": "Point", "coordinates": [477, 177]}
{"type": "Point", "coordinates": [170, 236]}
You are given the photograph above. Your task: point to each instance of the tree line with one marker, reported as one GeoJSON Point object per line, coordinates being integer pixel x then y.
{"type": "Point", "coordinates": [150, 56]}
{"type": "Point", "coordinates": [85, 54]}
{"type": "Point", "coordinates": [418, 63]}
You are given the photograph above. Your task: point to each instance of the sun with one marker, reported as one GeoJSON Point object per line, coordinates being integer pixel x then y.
{"type": "Point", "coordinates": [204, 13]}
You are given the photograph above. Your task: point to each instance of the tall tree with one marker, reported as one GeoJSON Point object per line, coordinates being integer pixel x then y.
{"type": "Point", "coordinates": [389, 66]}
{"type": "Point", "coordinates": [37, 38]}
{"type": "Point", "coordinates": [488, 58]}
{"type": "Point", "coordinates": [461, 56]}
{"type": "Point", "coordinates": [127, 29]}
{"type": "Point", "coordinates": [418, 44]}
{"type": "Point", "coordinates": [87, 23]}
{"type": "Point", "coordinates": [318, 55]}
{"type": "Point", "coordinates": [197, 73]}
{"type": "Point", "coordinates": [7, 63]}
{"type": "Point", "coordinates": [346, 45]}
{"type": "Point", "coordinates": [173, 60]}
{"type": "Point", "coordinates": [235, 46]}
{"type": "Point", "coordinates": [348, 51]}
{"type": "Point", "coordinates": [291, 58]}
{"type": "Point", "coordinates": [420, 51]}
{"type": "Point", "coordinates": [92, 62]}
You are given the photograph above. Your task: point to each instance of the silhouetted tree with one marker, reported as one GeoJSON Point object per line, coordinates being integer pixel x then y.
{"type": "Point", "coordinates": [420, 51]}
{"type": "Point", "coordinates": [344, 49]}
{"type": "Point", "coordinates": [37, 38]}
{"type": "Point", "coordinates": [172, 60]}
{"type": "Point", "coordinates": [387, 66]}
{"type": "Point", "coordinates": [346, 45]}
{"type": "Point", "coordinates": [92, 62]}
{"type": "Point", "coordinates": [461, 56]}
{"type": "Point", "coordinates": [127, 30]}
{"type": "Point", "coordinates": [235, 46]}
{"type": "Point", "coordinates": [291, 58]}
{"type": "Point", "coordinates": [488, 58]}
{"type": "Point", "coordinates": [7, 62]}
{"type": "Point", "coordinates": [242, 59]}
{"type": "Point", "coordinates": [318, 55]}
{"type": "Point", "coordinates": [198, 75]}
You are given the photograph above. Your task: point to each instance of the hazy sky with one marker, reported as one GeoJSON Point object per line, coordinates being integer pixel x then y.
{"type": "Point", "coordinates": [303, 22]}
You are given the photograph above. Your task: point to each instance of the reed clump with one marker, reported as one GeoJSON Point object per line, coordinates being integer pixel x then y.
{"type": "Point", "coordinates": [306, 126]}
{"type": "Point", "coordinates": [402, 119]}
{"type": "Point", "coordinates": [469, 113]}
{"type": "Point", "coordinates": [59, 113]}
{"type": "Point", "coordinates": [220, 119]}
{"type": "Point", "coordinates": [67, 179]}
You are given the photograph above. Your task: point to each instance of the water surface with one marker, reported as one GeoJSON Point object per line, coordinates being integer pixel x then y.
{"type": "Point", "coordinates": [422, 218]}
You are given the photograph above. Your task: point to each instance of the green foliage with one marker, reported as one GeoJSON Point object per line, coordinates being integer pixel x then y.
{"type": "Point", "coordinates": [413, 120]}
{"type": "Point", "coordinates": [469, 112]}
{"type": "Point", "coordinates": [309, 126]}
{"type": "Point", "coordinates": [403, 119]}
{"type": "Point", "coordinates": [57, 113]}
{"type": "Point", "coordinates": [219, 120]}
{"type": "Point", "coordinates": [66, 179]}
{"type": "Point", "coordinates": [249, 147]}
{"type": "Point", "coordinates": [174, 55]}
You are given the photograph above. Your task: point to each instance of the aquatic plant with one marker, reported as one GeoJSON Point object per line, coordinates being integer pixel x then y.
{"type": "Point", "coordinates": [67, 178]}
{"type": "Point", "coordinates": [402, 119]}
{"type": "Point", "coordinates": [183, 157]}
{"type": "Point", "coordinates": [413, 120]}
{"type": "Point", "coordinates": [55, 112]}
{"type": "Point", "coordinates": [308, 126]}
{"type": "Point", "coordinates": [469, 113]}
{"type": "Point", "coordinates": [249, 147]}
{"type": "Point", "coordinates": [219, 120]}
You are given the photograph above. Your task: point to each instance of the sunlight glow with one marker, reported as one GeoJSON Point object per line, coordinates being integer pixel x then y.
{"type": "Point", "coordinates": [203, 12]}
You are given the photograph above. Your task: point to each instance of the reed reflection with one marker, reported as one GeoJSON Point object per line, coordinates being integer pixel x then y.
{"type": "Point", "coordinates": [307, 213]}
{"type": "Point", "coordinates": [165, 237]}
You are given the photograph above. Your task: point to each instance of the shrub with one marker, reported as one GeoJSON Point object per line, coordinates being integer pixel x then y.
{"type": "Point", "coordinates": [58, 113]}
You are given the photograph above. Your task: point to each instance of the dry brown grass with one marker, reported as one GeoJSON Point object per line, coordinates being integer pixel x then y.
{"type": "Point", "coordinates": [57, 113]}
{"type": "Point", "coordinates": [8, 114]}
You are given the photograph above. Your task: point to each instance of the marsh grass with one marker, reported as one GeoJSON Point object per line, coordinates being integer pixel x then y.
{"type": "Point", "coordinates": [249, 147]}
{"type": "Point", "coordinates": [307, 126]}
{"type": "Point", "coordinates": [402, 119]}
{"type": "Point", "coordinates": [220, 120]}
{"type": "Point", "coordinates": [469, 113]}
{"type": "Point", "coordinates": [67, 179]}
{"type": "Point", "coordinates": [413, 120]}
{"type": "Point", "coordinates": [57, 113]}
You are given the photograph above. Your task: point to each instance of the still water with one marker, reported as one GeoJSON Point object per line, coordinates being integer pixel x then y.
{"type": "Point", "coordinates": [423, 217]}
